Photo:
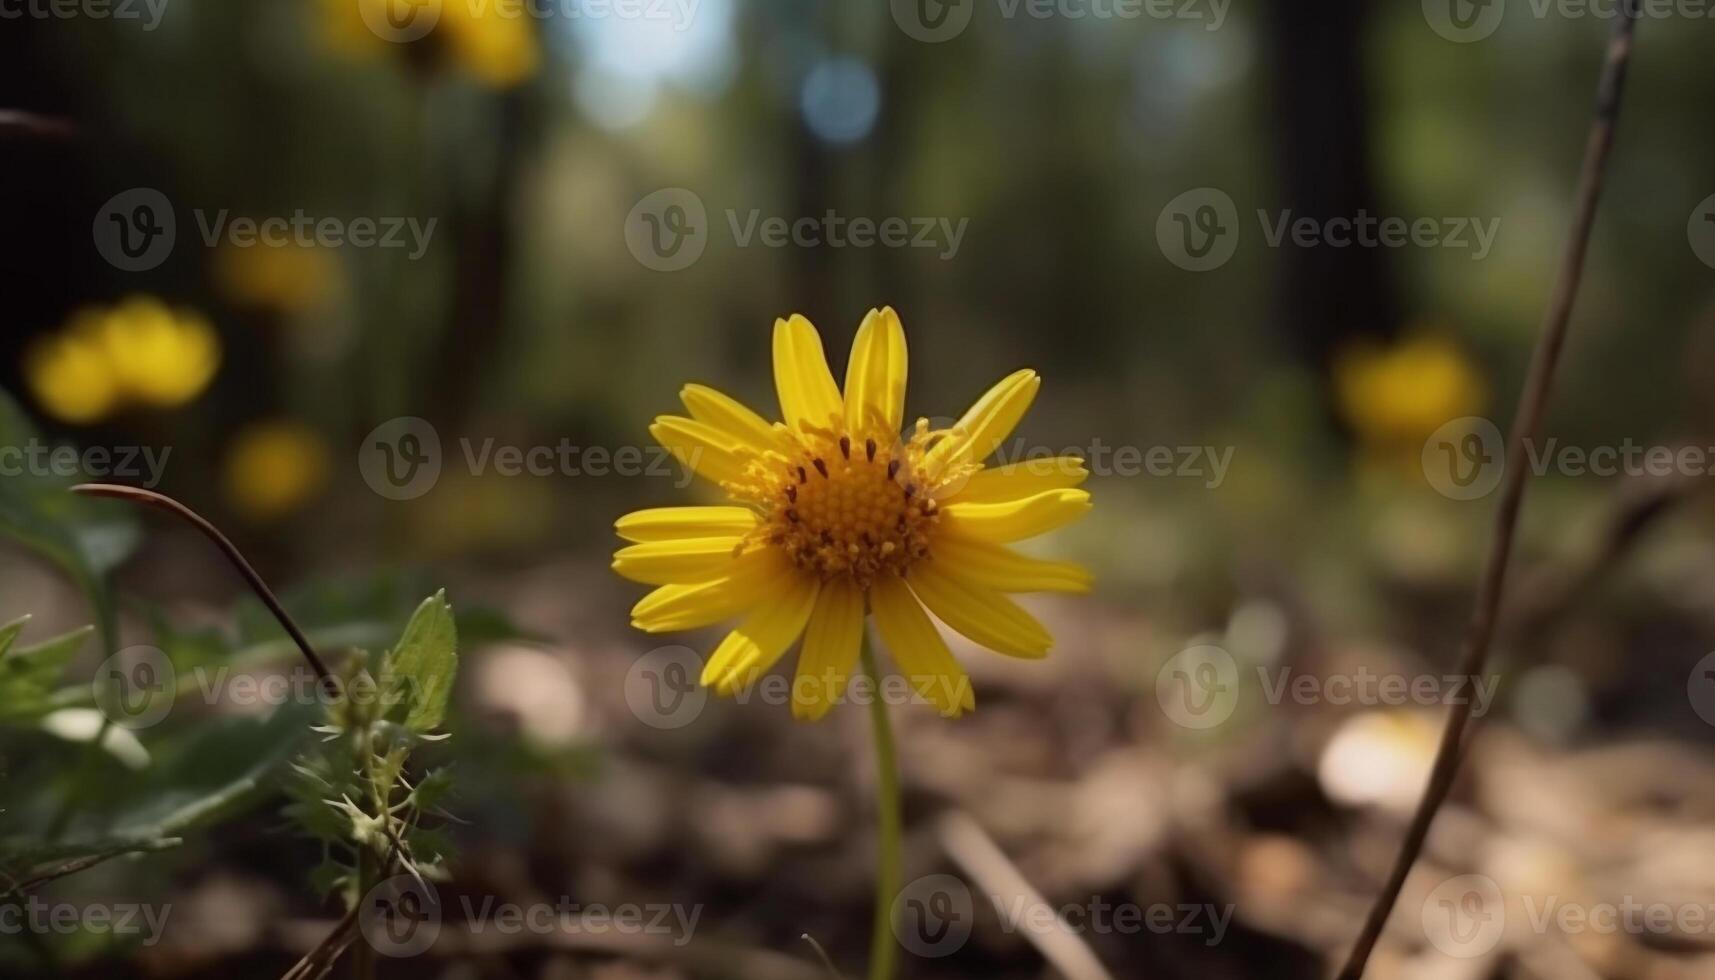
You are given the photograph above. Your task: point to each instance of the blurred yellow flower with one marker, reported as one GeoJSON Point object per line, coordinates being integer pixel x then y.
{"type": "Point", "coordinates": [161, 357]}
{"type": "Point", "coordinates": [1396, 397]}
{"type": "Point", "coordinates": [493, 41]}
{"type": "Point", "coordinates": [289, 278]}
{"type": "Point", "coordinates": [139, 351]}
{"type": "Point", "coordinates": [496, 48]}
{"type": "Point", "coordinates": [69, 376]}
{"type": "Point", "coordinates": [274, 469]}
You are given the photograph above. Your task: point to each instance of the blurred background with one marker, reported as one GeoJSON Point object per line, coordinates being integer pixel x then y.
{"type": "Point", "coordinates": [497, 227]}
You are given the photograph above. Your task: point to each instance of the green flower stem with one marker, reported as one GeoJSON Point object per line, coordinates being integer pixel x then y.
{"type": "Point", "coordinates": [882, 947]}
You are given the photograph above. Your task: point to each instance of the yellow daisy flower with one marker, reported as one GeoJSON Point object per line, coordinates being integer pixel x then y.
{"type": "Point", "coordinates": [833, 514]}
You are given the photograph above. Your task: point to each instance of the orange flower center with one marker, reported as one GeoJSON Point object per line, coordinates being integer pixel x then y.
{"type": "Point", "coordinates": [856, 509]}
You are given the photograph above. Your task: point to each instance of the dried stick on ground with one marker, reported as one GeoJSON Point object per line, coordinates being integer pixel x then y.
{"type": "Point", "coordinates": [1526, 423]}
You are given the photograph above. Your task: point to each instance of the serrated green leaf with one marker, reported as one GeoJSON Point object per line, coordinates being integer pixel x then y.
{"type": "Point", "coordinates": [9, 633]}
{"type": "Point", "coordinates": [419, 672]}
{"type": "Point", "coordinates": [28, 674]}
{"type": "Point", "coordinates": [433, 788]}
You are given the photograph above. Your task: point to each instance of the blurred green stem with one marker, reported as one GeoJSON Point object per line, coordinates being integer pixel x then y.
{"type": "Point", "coordinates": [887, 870]}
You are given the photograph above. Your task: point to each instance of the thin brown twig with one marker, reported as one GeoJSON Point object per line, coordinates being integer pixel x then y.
{"type": "Point", "coordinates": [1526, 423]}
{"type": "Point", "coordinates": [83, 863]}
{"type": "Point", "coordinates": [163, 502]}
{"type": "Point", "coordinates": [18, 122]}
{"type": "Point", "coordinates": [1548, 595]}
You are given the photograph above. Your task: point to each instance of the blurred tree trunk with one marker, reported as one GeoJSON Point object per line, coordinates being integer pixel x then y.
{"type": "Point", "coordinates": [484, 236]}
{"type": "Point", "coordinates": [47, 259]}
{"type": "Point", "coordinates": [1326, 296]}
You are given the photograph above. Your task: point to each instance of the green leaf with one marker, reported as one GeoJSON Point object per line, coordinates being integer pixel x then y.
{"type": "Point", "coordinates": [419, 672]}
{"type": "Point", "coordinates": [9, 633]}
{"type": "Point", "coordinates": [85, 538]}
{"type": "Point", "coordinates": [226, 766]}
{"type": "Point", "coordinates": [28, 674]}
{"type": "Point", "coordinates": [36, 861]}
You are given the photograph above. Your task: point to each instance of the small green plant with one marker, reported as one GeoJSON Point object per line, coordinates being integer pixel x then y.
{"type": "Point", "coordinates": [82, 782]}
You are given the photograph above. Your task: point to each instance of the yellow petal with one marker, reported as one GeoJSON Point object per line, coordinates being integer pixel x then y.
{"type": "Point", "coordinates": [875, 376]}
{"type": "Point", "coordinates": [762, 638]}
{"type": "Point", "coordinates": [1022, 479]}
{"type": "Point", "coordinates": [754, 578]}
{"type": "Point", "coordinates": [670, 523]}
{"type": "Point", "coordinates": [1005, 570]}
{"type": "Point", "coordinates": [918, 649]}
{"type": "Point", "coordinates": [980, 613]}
{"type": "Point", "coordinates": [676, 562]}
{"type": "Point", "coordinates": [703, 449]}
{"type": "Point", "coordinates": [1014, 520]}
{"type": "Point", "coordinates": [987, 424]}
{"type": "Point", "coordinates": [831, 643]}
{"type": "Point", "coordinates": [730, 416]}
{"type": "Point", "coordinates": [808, 395]}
